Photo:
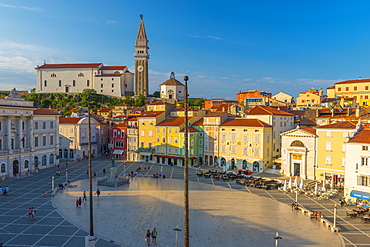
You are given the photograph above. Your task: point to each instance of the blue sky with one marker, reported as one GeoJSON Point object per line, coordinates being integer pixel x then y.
{"type": "Point", "coordinates": [223, 46]}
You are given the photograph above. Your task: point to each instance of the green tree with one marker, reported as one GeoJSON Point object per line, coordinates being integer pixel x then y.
{"type": "Point", "coordinates": [139, 101]}
{"type": "Point", "coordinates": [46, 102]}
{"type": "Point", "coordinates": [157, 94]}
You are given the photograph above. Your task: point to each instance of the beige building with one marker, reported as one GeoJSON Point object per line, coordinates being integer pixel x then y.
{"type": "Point", "coordinates": [132, 139]}
{"type": "Point", "coordinates": [312, 97]}
{"type": "Point", "coordinates": [357, 89]}
{"type": "Point", "coordinates": [284, 97]}
{"type": "Point", "coordinates": [172, 89]}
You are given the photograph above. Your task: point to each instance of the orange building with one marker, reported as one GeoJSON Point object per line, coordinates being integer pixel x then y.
{"type": "Point", "coordinates": [253, 97]}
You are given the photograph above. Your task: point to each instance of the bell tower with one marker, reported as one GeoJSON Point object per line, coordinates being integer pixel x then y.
{"type": "Point", "coordinates": [141, 61]}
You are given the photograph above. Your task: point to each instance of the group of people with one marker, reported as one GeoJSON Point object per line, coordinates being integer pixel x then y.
{"type": "Point", "coordinates": [31, 213]}
{"type": "Point", "coordinates": [153, 235]}
{"type": "Point", "coordinates": [4, 192]}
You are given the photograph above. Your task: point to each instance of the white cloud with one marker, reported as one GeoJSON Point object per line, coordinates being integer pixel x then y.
{"type": "Point", "coordinates": [21, 7]}
{"type": "Point", "coordinates": [317, 82]}
{"type": "Point", "coordinates": [206, 36]}
{"type": "Point", "coordinates": [111, 22]}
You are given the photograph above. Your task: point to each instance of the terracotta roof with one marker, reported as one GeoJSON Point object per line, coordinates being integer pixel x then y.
{"type": "Point", "coordinates": [245, 122]}
{"type": "Point", "coordinates": [172, 81]}
{"type": "Point", "coordinates": [190, 129]}
{"type": "Point", "coordinates": [108, 75]}
{"type": "Point", "coordinates": [68, 120]}
{"type": "Point", "coordinates": [339, 125]}
{"type": "Point", "coordinates": [311, 130]}
{"type": "Point", "coordinates": [70, 65]}
{"type": "Point", "coordinates": [267, 110]}
{"type": "Point", "coordinates": [159, 103]}
{"type": "Point", "coordinates": [332, 87]}
{"type": "Point", "coordinates": [113, 68]}
{"type": "Point", "coordinates": [45, 111]}
{"type": "Point", "coordinates": [175, 121]}
{"type": "Point", "coordinates": [132, 119]}
{"type": "Point", "coordinates": [121, 125]}
{"type": "Point", "coordinates": [150, 114]}
{"type": "Point", "coordinates": [362, 136]}
{"type": "Point", "coordinates": [105, 110]}
{"type": "Point", "coordinates": [199, 122]}
{"type": "Point", "coordinates": [353, 81]}
{"type": "Point", "coordinates": [216, 114]}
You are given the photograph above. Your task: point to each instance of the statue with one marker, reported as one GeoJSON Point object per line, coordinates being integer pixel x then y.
{"type": "Point", "coordinates": [14, 95]}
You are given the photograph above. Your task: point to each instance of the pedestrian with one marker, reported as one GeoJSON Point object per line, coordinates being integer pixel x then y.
{"type": "Point", "coordinates": [33, 211]}
{"type": "Point", "coordinates": [1, 191]}
{"type": "Point", "coordinates": [6, 192]}
{"type": "Point", "coordinates": [148, 167]}
{"type": "Point", "coordinates": [94, 174]}
{"type": "Point", "coordinates": [58, 166]}
{"type": "Point", "coordinates": [97, 192]}
{"type": "Point", "coordinates": [29, 213]}
{"type": "Point", "coordinates": [145, 168]}
{"type": "Point", "coordinates": [104, 171]}
{"type": "Point", "coordinates": [87, 173]}
{"type": "Point", "coordinates": [154, 236]}
{"type": "Point", "coordinates": [147, 237]}
{"type": "Point", "coordinates": [84, 195]}
{"type": "Point", "coordinates": [77, 202]}
{"type": "Point", "coordinates": [46, 192]}
{"type": "Point", "coordinates": [342, 202]}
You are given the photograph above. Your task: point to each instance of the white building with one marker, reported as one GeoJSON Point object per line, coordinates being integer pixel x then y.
{"type": "Point", "coordinates": [284, 97]}
{"type": "Point", "coordinates": [299, 152]}
{"type": "Point", "coordinates": [27, 136]}
{"type": "Point", "coordinates": [172, 89]}
{"type": "Point", "coordinates": [74, 78]}
{"type": "Point", "coordinates": [73, 138]}
{"type": "Point", "coordinates": [280, 120]}
{"type": "Point", "coordinates": [357, 169]}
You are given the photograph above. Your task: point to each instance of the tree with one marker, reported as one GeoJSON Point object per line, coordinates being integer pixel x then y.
{"type": "Point", "coordinates": [140, 101]}
{"type": "Point", "coordinates": [157, 94]}
{"type": "Point", "coordinates": [46, 102]}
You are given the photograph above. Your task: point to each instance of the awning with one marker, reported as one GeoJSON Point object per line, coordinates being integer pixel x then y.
{"type": "Point", "coordinates": [169, 157]}
{"type": "Point", "coordinates": [360, 194]}
{"type": "Point", "coordinates": [145, 154]}
{"type": "Point", "coordinates": [117, 151]}
{"type": "Point", "coordinates": [278, 160]}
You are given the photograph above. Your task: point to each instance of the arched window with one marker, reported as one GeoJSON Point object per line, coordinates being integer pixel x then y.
{"type": "Point", "coordinates": [60, 153]}
{"type": "Point", "coordinates": [297, 144]}
{"type": "Point", "coordinates": [3, 169]}
{"type": "Point", "coordinates": [71, 154]}
{"type": "Point", "coordinates": [80, 75]}
{"type": "Point", "coordinates": [65, 153]}
{"type": "Point", "coordinates": [43, 160]}
{"type": "Point", "coordinates": [36, 161]}
{"type": "Point", "coordinates": [51, 159]}
{"type": "Point", "coordinates": [26, 164]}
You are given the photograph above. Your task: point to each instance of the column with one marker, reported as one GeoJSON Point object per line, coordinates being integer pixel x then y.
{"type": "Point", "coordinates": [289, 161]}
{"type": "Point", "coordinates": [304, 167]}
{"type": "Point", "coordinates": [30, 135]}
{"type": "Point", "coordinates": [20, 133]}
{"type": "Point", "coordinates": [9, 134]}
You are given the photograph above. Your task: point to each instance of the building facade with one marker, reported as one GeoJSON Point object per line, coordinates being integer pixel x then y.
{"type": "Point", "coordinates": [172, 89]}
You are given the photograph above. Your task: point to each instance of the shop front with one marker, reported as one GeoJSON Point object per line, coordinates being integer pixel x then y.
{"type": "Point", "coordinates": [360, 198]}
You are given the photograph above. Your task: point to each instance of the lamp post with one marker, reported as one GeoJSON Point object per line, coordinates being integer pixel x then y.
{"type": "Point", "coordinates": [186, 179]}
{"type": "Point", "coordinates": [67, 176]}
{"type": "Point", "coordinates": [90, 239]}
{"type": "Point", "coordinates": [335, 216]}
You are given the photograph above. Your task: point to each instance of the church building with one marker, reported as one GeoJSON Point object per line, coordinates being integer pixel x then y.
{"type": "Point", "coordinates": [115, 81]}
{"type": "Point", "coordinates": [172, 89]}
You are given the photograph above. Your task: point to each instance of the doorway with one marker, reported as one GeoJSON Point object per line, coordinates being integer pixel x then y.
{"type": "Point", "coordinates": [15, 167]}
{"type": "Point", "coordinates": [297, 169]}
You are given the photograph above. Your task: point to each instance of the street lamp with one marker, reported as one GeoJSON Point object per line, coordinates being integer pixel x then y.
{"type": "Point", "coordinates": [186, 179]}
{"type": "Point", "coordinates": [90, 239]}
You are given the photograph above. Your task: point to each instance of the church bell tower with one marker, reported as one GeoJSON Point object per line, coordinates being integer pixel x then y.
{"type": "Point", "coordinates": [141, 61]}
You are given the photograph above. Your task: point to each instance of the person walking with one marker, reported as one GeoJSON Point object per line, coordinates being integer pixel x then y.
{"type": "Point", "coordinates": [33, 211]}
{"type": "Point", "coordinates": [147, 237]}
{"type": "Point", "coordinates": [104, 171]}
{"type": "Point", "coordinates": [94, 174]}
{"type": "Point", "coordinates": [97, 192]}
{"type": "Point", "coordinates": [77, 202]}
{"type": "Point", "coordinates": [1, 191]}
{"type": "Point", "coordinates": [84, 196]}
{"type": "Point", "coordinates": [6, 192]}
{"type": "Point", "coordinates": [154, 236]}
{"type": "Point", "coordinates": [30, 214]}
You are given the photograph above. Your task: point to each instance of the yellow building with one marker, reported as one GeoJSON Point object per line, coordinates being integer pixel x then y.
{"type": "Point", "coordinates": [331, 149]}
{"type": "Point", "coordinates": [312, 97]}
{"type": "Point", "coordinates": [191, 113]}
{"type": "Point", "coordinates": [359, 89]}
{"type": "Point", "coordinates": [245, 144]}
{"type": "Point", "coordinates": [146, 132]}
{"type": "Point", "coordinates": [160, 106]}
{"type": "Point", "coordinates": [106, 113]}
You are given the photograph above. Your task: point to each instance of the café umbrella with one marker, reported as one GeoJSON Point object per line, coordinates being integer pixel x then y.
{"type": "Point", "coordinates": [285, 186]}
{"type": "Point", "coordinates": [296, 181]}
{"type": "Point", "coordinates": [316, 188]}
{"type": "Point", "coordinates": [290, 183]}
{"type": "Point", "coordinates": [301, 185]}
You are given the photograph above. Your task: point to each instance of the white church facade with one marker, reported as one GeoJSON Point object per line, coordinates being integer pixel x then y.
{"type": "Point", "coordinates": [115, 81]}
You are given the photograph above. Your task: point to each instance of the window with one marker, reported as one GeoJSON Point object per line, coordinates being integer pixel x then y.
{"type": "Point", "coordinates": [223, 137]}
{"type": "Point", "coordinates": [361, 180]}
{"type": "Point", "coordinates": [101, 85]}
{"type": "Point", "coordinates": [365, 148]}
{"type": "Point", "coordinates": [366, 87]}
{"type": "Point", "coordinates": [26, 164]}
{"type": "Point", "coordinates": [36, 125]}
{"type": "Point", "coordinates": [1, 144]}
{"type": "Point", "coordinates": [43, 160]}
{"type": "Point", "coordinates": [328, 160]}
{"type": "Point", "coordinates": [339, 89]}
{"type": "Point", "coordinates": [329, 146]}
{"type": "Point", "coordinates": [163, 149]}
{"type": "Point", "coordinates": [169, 139]}
{"type": "Point", "coordinates": [157, 149]}
{"type": "Point", "coordinates": [354, 88]}
{"type": "Point", "coordinates": [45, 83]}
{"type": "Point", "coordinates": [53, 75]}
{"type": "Point", "coordinates": [223, 149]}
{"type": "Point", "coordinates": [1, 125]}
{"type": "Point", "coordinates": [44, 140]}
{"type": "Point", "coordinates": [36, 141]}
{"type": "Point", "coordinates": [157, 138]}
{"type": "Point", "coordinates": [3, 170]}
{"type": "Point", "coordinates": [256, 151]}
{"type": "Point", "coordinates": [192, 142]}
{"type": "Point", "coordinates": [163, 139]}
{"type": "Point", "coordinates": [256, 138]}
{"type": "Point", "coordinates": [74, 83]}
{"type": "Point", "coordinates": [200, 151]}
{"type": "Point", "coordinates": [51, 140]}
{"type": "Point", "coordinates": [12, 144]}
{"type": "Point", "coordinates": [80, 75]}
{"type": "Point", "coordinates": [114, 133]}
{"type": "Point", "coordinates": [364, 161]}
{"type": "Point", "coordinates": [60, 83]}
{"type": "Point", "coordinates": [201, 142]}
{"type": "Point", "coordinates": [51, 159]}
{"type": "Point", "coordinates": [176, 150]}
{"type": "Point", "coordinates": [176, 140]}
{"type": "Point", "coordinates": [244, 151]}
{"type": "Point", "coordinates": [51, 125]}
{"type": "Point", "coordinates": [158, 130]}
{"type": "Point", "coordinates": [232, 137]}
{"type": "Point", "coordinates": [329, 134]}
{"type": "Point", "coordinates": [150, 133]}
{"type": "Point", "coordinates": [44, 125]}
{"type": "Point", "coordinates": [268, 139]}
{"type": "Point", "coordinates": [170, 150]}
{"type": "Point", "coordinates": [88, 83]}
{"type": "Point", "coordinates": [347, 88]}
{"type": "Point", "coordinates": [112, 84]}
{"type": "Point", "coordinates": [143, 133]}
{"type": "Point", "coordinates": [163, 130]}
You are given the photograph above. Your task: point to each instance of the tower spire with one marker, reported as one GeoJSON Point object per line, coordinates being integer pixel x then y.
{"type": "Point", "coordinates": [141, 60]}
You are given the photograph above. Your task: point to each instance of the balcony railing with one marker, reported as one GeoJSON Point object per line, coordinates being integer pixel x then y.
{"type": "Point", "coordinates": [16, 151]}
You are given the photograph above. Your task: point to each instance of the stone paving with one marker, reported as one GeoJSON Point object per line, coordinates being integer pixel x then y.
{"type": "Point", "coordinates": [53, 229]}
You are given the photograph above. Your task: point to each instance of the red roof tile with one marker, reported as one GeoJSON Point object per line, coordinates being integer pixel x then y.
{"type": "Point", "coordinates": [68, 120]}
{"type": "Point", "coordinates": [353, 81]}
{"type": "Point", "coordinates": [45, 111]}
{"type": "Point", "coordinates": [267, 110]}
{"type": "Point", "coordinates": [311, 130]}
{"type": "Point", "coordinates": [151, 114]}
{"type": "Point", "coordinates": [108, 75]}
{"type": "Point", "coordinates": [190, 130]}
{"type": "Point", "coordinates": [199, 122]}
{"type": "Point", "coordinates": [175, 121]}
{"type": "Point", "coordinates": [332, 87]}
{"type": "Point", "coordinates": [362, 136]}
{"type": "Point", "coordinates": [113, 68]}
{"type": "Point", "coordinates": [70, 65]}
{"type": "Point", "coordinates": [339, 125]}
{"type": "Point", "coordinates": [245, 122]}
